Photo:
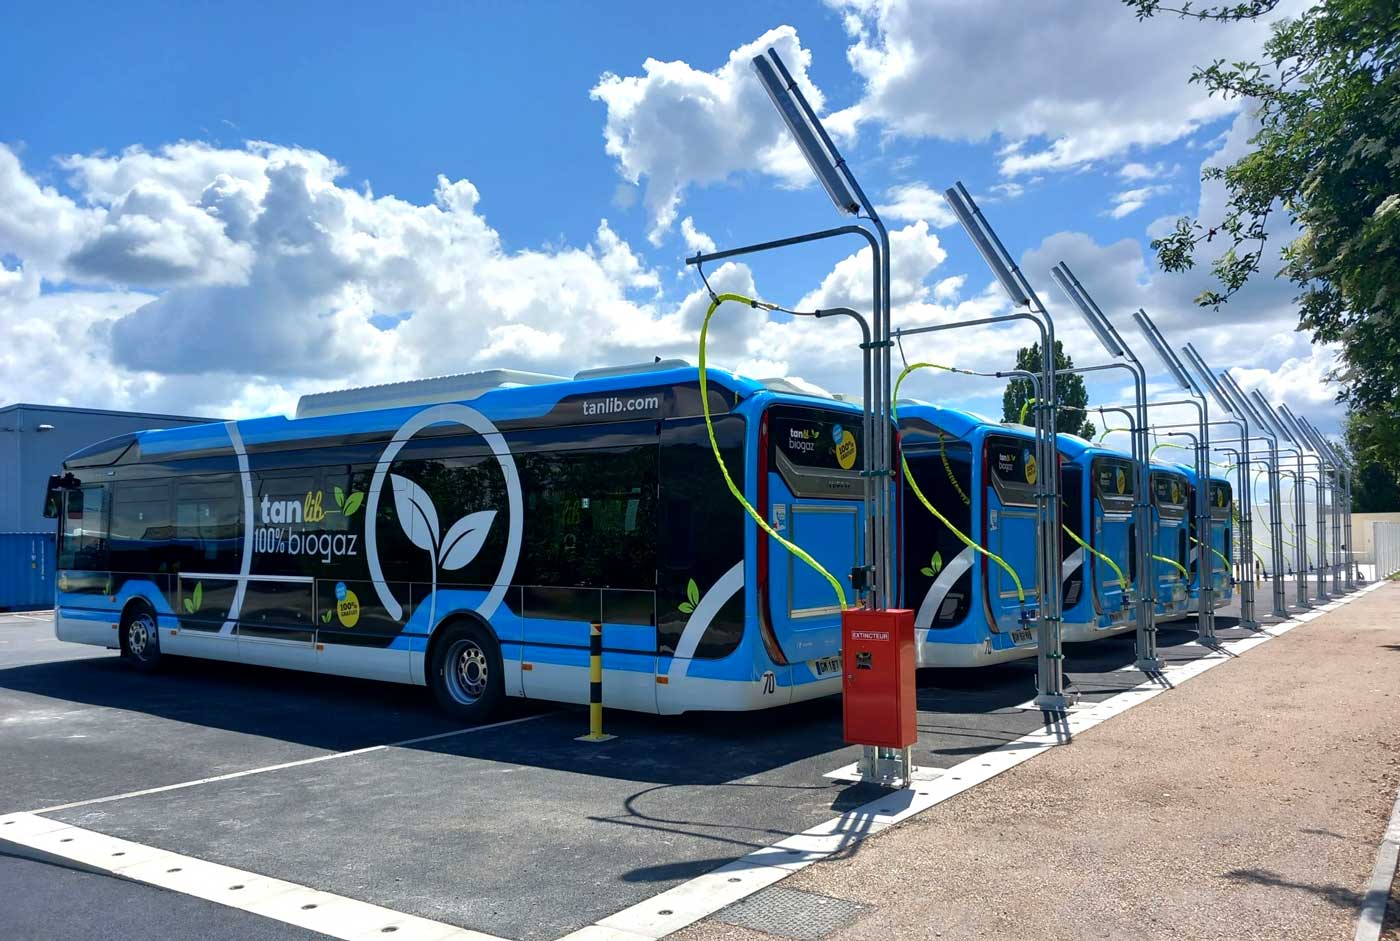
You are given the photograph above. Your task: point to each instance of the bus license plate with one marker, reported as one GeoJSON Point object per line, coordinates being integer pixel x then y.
{"type": "Point", "coordinates": [826, 665]}
{"type": "Point", "coordinates": [1023, 636]}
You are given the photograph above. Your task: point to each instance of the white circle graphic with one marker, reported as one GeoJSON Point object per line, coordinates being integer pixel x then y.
{"type": "Point", "coordinates": [470, 418]}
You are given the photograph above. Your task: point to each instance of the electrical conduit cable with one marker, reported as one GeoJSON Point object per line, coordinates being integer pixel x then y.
{"type": "Point", "coordinates": [718, 299]}
{"type": "Point", "coordinates": [1122, 579]}
{"type": "Point", "coordinates": [914, 486]}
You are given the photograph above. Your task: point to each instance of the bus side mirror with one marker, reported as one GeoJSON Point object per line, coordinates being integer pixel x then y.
{"type": "Point", "coordinates": [53, 497]}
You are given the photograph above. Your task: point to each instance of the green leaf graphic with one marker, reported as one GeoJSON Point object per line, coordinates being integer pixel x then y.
{"type": "Point", "coordinates": [686, 607]}
{"type": "Point", "coordinates": [352, 503]}
{"type": "Point", "coordinates": [936, 563]}
{"type": "Point", "coordinates": [189, 606]}
{"type": "Point", "coordinates": [198, 595]}
{"type": "Point", "coordinates": [339, 498]}
{"type": "Point", "coordinates": [692, 593]}
{"type": "Point", "coordinates": [927, 571]}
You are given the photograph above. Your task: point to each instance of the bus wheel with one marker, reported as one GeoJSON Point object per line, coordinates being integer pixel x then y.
{"type": "Point", "coordinates": [466, 675]}
{"type": "Point", "coordinates": [140, 639]}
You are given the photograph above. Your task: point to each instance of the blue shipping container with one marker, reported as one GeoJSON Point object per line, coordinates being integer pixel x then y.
{"type": "Point", "coordinates": [26, 571]}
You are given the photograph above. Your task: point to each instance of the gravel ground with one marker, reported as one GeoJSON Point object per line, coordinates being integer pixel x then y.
{"type": "Point", "coordinates": [1248, 804]}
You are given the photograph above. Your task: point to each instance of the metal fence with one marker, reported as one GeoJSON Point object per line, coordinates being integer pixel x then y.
{"type": "Point", "coordinates": [1385, 548]}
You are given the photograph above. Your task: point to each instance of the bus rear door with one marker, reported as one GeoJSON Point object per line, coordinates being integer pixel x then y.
{"type": "Point", "coordinates": [813, 495]}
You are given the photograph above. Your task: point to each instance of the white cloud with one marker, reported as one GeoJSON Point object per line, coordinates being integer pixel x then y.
{"type": "Point", "coordinates": [675, 126]}
{"type": "Point", "coordinates": [1071, 84]}
{"type": "Point", "coordinates": [912, 202]}
{"type": "Point", "coordinates": [274, 280]}
{"type": "Point", "coordinates": [1141, 171]}
{"type": "Point", "coordinates": [1130, 201]}
{"type": "Point", "coordinates": [695, 240]}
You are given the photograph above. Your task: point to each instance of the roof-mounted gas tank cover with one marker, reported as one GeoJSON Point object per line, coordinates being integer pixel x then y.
{"type": "Point", "coordinates": [628, 369]}
{"type": "Point", "coordinates": [418, 391]}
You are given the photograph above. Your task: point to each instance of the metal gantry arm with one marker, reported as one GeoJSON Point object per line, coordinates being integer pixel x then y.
{"type": "Point", "coordinates": [1051, 693]}
{"type": "Point", "coordinates": [1205, 608]}
{"type": "Point", "coordinates": [1244, 409]}
{"type": "Point", "coordinates": [1327, 476]}
{"type": "Point", "coordinates": [1300, 513]}
{"type": "Point", "coordinates": [1248, 615]}
{"type": "Point", "coordinates": [1145, 637]}
{"type": "Point", "coordinates": [1342, 516]}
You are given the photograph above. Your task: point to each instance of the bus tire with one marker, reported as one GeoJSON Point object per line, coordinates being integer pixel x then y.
{"type": "Point", "coordinates": [140, 638]}
{"type": "Point", "coordinates": [465, 674]}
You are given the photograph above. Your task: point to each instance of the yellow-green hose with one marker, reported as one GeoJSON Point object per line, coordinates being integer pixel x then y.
{"type": "Point", "coordinates": [914, 485]}
{"type": "Point", "coordinates": [719, 459]}
{"type": "Point", "coordinates": [1122, 579]}
{"type": "Point", "coordinates": [1174, 563]}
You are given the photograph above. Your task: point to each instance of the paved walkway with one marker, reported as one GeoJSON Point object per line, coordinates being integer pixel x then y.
{"type": "Point", "coordinates": [1247, 804]}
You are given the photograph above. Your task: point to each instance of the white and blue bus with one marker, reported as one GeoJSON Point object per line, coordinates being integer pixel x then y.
{"type": "Point", "coordinates": [463, 533]}
{"type": "Point", "coordinates": [980, 475]}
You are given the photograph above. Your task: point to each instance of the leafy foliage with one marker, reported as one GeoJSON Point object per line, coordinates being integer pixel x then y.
{"type": "Point", "coordinates": [1373, 442]}
{"type": "Point", "coordinates": [1071, 397]}
{"type": "Point", "coordinates": [1327, 96]}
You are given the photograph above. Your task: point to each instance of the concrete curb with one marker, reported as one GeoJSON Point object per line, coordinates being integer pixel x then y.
{"type": "Point", "coordinates": [1368, 926]}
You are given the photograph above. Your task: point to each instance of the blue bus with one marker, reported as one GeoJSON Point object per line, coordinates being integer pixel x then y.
{"type": "Point", "coordinates": [463, 533]}
{"type": "Point", "coordinates": [1097, 486]}
{"type": "Point", "coordinates": [1170, 544]}
{"type": "Point", "coordinates": [980, 476]}
{"type": "Point", "coordinates": [1220, 554]}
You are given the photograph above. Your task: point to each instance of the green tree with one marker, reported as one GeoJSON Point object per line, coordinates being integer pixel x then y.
{"type": "Point", "coordinates": [1326, 156]}
{"type": "Point", "coordinates": [1372, 443]}
{"type": "Point", "coordinates": [1071, 397]}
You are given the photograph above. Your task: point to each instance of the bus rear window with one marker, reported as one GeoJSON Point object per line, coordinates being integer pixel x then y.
{"type": "Point", "coordinates": [817, 451]}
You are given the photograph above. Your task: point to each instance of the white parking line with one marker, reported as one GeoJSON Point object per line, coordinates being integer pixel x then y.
{"type": "Point", "coordinates": [288, 902]}
{"type": "Point", "coordinates": [287, 764]}
{"type": "Point", "coordinates": [674, 909]}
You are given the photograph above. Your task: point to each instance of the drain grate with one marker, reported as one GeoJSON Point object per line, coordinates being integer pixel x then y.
{"type": "Point", "coordinates": [791, 913]}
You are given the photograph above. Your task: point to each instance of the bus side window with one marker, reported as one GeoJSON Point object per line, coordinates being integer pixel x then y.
{"type": "Point", "coordinates": [677, 542]}
{"type": "Point", "coordinates": [207, 524]}
{"type": "Point", "coordinates": [83, 546]}
{"type": "Point", "coordinates": [141, 526]}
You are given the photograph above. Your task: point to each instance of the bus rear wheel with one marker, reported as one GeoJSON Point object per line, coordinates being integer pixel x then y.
{"type": "Point", "coordinates": [141, 639]}
{"type": "Point", "coordinates": [465, 674]}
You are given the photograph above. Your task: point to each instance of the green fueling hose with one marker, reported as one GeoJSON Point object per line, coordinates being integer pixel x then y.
{"type": "Point", "coordinates": [1174, 563]}
{"type": "Point", "coordinates": [914, 485]}
{"type": "Point", "coordinates": [719, 459]}
{"type": "Point", "coordinates": [1122, 579]}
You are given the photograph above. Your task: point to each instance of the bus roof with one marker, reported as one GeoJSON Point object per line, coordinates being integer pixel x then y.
{"type": "Point", "coordinates": [510, 400]}
{"type": "Point", "coordinates": [1190, 473]}
{"type": "Point", "coordinates": [1080, 449]}
{"type": "Point", "coordinates": [959, 422]}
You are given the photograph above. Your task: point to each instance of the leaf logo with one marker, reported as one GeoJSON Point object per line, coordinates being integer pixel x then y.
{"type": "Point", "coordinates": [692, 597]}
{"type": "Point", "coordinates": [935, 565]}
{"type": "Point", "coordinates": [196, 599]}
{"type": "Point", "coordinates": [349, 504]}
{"type": "Point", "coordinates": [419, 520]}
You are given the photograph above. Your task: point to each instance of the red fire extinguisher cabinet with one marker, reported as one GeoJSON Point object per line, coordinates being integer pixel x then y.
{"type": "Point", "coordinates": [877, 653]}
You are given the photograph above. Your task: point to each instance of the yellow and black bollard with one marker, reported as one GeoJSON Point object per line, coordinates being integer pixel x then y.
{"type": "Point", "coordinates": [595, 686]}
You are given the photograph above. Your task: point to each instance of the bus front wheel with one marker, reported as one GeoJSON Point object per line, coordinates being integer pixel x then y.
{"type": "Point", "coordinates": [140, 639]}
{"type": "Point", "coordinates": [466, 675]}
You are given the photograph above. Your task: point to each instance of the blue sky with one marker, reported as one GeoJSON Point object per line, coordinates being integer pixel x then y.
{"type": "Point", "coordinates": [108, 234]}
